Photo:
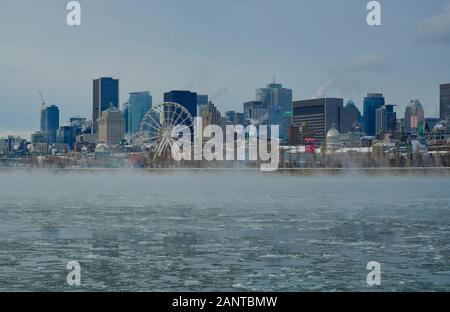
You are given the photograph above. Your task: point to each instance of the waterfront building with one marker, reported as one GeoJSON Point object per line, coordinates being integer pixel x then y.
{"type": "Point", "coordinates": [372, 102]}
{"type": "Point", "coordinates": [445, 101]}
{"type": "Point", "coordinates": [139, 103]}
{"type": "Point", "coordinates": [333, 140]}
{"type": "Point", "coordinates": [111, 127]}
{"type": "Point", "coordinates": [414, 118]}
{"type": "Point", "coordinates": [319, 114]}
{"type": "Point", "coordinates": [105, 94]}
{"type": "Point", "coordinates": [51, 117]}
{"type": "Point", "coordinates": [39, 149]}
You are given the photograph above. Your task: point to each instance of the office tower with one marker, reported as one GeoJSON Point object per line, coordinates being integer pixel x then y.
{"type": "Point", "coordinates": [212, 116]}
{"type": "Point", "coordinates": [202, 101]}
{"type": "Point", "coordinates": [372, 102]}
{"type": "Point", "coordinates": [256, 113]}
{"type": "Point", "coordinates": [349, 117]}
{"type": "Point", "coordinates": [278, 101]}
{"type": "Point", "coordinates": [39, 137]}
{"type": "Point", "coordinates": [111, 127]}
{"type": "Point", "coordinates": [105, 94]}
{"type": "Point", "coordinates": [51, 124]}
{"type": "Point", "coordinates": [139, 103]}
{"type": "Point", "coordinates": [414, 117]}
{"type": "Point", "coordinates": [318, 115]}
{"type": "Point", "coordinates": [125, 109]}
{"type": "Point", "coordinates": [445, 102]}
{"type": "Point", "coordinates": [79, 124]}
{"type": "Point", "coordinates": [42, 119]}
{"type": "Point", "coordinates": [187, 99]}
{"type": "Point", "coordinates": [66, 135]}
{"type": "Point", "coordinates": [235, 118]}
{"type": "Point", "coordinates": [430, 123]}
{"type": "Point", "coordinates": [391, 118]}
{"type": "Point", "coordinates": [385, 120]}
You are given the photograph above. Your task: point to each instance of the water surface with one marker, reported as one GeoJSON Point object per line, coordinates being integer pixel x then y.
{"type": "Point", "coordinates": [222, 231]}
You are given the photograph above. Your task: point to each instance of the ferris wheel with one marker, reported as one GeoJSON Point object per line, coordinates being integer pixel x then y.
{"type": "Point", "coordinates": [164, 128]}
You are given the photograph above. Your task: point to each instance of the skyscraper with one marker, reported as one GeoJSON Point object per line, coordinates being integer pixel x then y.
{"type": "Point", "coordinates": [372, 102]}
{"type": "Point", "coordinates": [111, 126]}
{"type": "Point", "coordinates": [187, 99]}
{"type": "Point", "coordinates": [255, 112]}
{"type": "Point", "coordinates": [51, 122]}
{"type": "Point", "coordinates": [139, 104]}
{"type": "Point", "coordinates": [385, 120]}
{"type": "Point", "coordinates": [105, 94]}
{"type": "Point", "coordinates": [212, 116]}
{"type": "Point", "coordinates": [414, 117]}
{"type": "Point", "coordinates": [445, 102]}
{"type": "Point", "coordinates": [318, 115]}
{"type": "Point", "coordinates": [202, 101]}
{"type": "Point", "coordinates": [66, 135]}
{"type": "Point", "coordinates": [349, 116]}
{"type": "Point", "coordinates": [278, 101]}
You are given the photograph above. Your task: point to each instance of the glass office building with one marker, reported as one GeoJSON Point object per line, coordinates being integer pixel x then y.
{"type": "Point", "coordinates": [372, 102]}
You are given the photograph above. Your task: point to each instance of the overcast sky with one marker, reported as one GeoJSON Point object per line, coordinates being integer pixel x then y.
{"type": "Point", "coordinates": [222, 48]}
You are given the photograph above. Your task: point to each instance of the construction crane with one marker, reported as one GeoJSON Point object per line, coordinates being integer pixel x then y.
{"type": "Point", "coordinates": [42, 99]}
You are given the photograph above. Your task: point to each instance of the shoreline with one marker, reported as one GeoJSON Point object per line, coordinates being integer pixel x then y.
{"type": "Point", "coordinates": [432, 171]}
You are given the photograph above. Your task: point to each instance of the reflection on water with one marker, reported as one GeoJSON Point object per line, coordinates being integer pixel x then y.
{"type": "Point", "coordinates": [237, 231]}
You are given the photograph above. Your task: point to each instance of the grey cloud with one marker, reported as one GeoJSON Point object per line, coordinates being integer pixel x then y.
{"type": "Point", "coordinates": [368, 63]}
{"type": "Point", "coordinates": [436, 29]}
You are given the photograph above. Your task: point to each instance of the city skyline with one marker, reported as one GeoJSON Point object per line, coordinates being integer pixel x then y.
{"type": "Point", "coordinates": [221, 62]}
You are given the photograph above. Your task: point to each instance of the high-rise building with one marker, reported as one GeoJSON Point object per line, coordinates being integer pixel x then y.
{"type": "Point", "coordinates": [105, 94]}
{"type": "Point", "coordinates": [372, 102]}
{"type": "Point", "coordinates": [235, 118]}
{"type": "Point", "coordinates": [414, 117]}
{"type": "Point", "coordinates": [212, 116]}
{"type": "Point", "coordinates": [79, 124]}
{"type": "Point", "coordinates": [445, 102]}
{"type": "Point", "coordinates": [139, 104]}
{"type": "Point", "coordinates": [111, 127]}
{"type": "Point", "coordinates": [125, 109]}
{"type": "Point", "coordinates": [256, 113]}
{"type": "Point", "coordinates": [202, 101]}
{"type": "Point", "coordinates": [318, 115]}
{"type": "Point", "coordinates": [42, 119]}
{"type": "Point", "coordinates": [278, 101]}
{"type": "Point", "coordinates": [349, 116]}
{"type": "Point", "coordinates": [187, 99]}
{"type": "Point", "coordinates": [66, 135]}
{"type": "Point", "coordinates": [51, 124]}
{"type": "Point", "coordinates": [385, 120]}
{"type": "Point", "coordinates": [39, 137]}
